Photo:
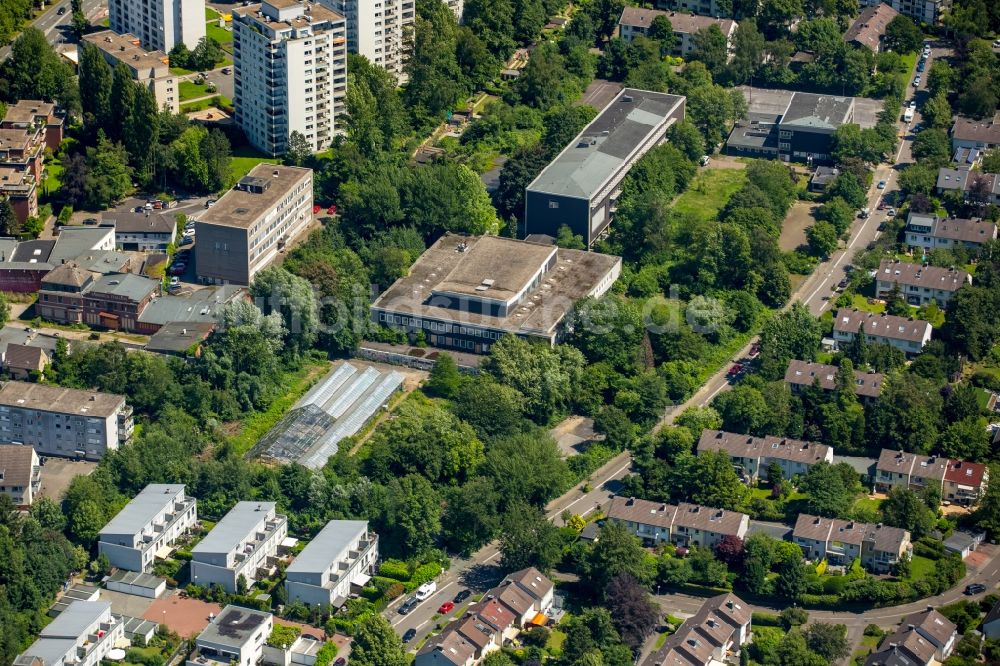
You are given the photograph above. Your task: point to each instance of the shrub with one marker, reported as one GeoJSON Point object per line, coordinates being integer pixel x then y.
{"type": "Point", "coordinates": [395, 569]}
{"type": "Point", "coordinates": [282, 636]}
{"type": "Point", "coordinates": [874, 630]}
{"type": "Point", "coordinates": [144, 657]}
{"type": "Point", "coordinates": [537, 636]}
{"type": "Point", "coordinates": [64, 214]}
{"type": "Point", "coordinates": [425, 573]}
{"type": "Point", "coordinates": [834, 584]}
{"type": "Point", "coordinates": [394, 591]}
{"type": "Point", "coordinates": [326, 654]}
{"type": "Point", "coordinates": [793, 617]}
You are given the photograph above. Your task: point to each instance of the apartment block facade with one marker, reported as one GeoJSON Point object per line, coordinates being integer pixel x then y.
{"type": "Point", "coordinates": [377, 30]}
{"type": "Point", "coordinates": [235, 637]}
{"type": "Point", "coordinates": [922, 11]}
{"type": "Point", "coordinates": [26, 130]}
{"type": "Point", "coordinates": [906, 334]}
{"type": "Point", "coordinates": [713, 636]}
{"type": "Point", "coordinates": [151, 68]}
{"type": "Point", "coordinates": [244, 543]}
{"type": "Point", "coordinates": [635, 22]}
{"type": "Point", "coordinates": [160, 25]}
{"type": "Point", "coordinates": [928, 232]}
{"type": "Point", "coordinates": [247, 228]}
{"type": "Point", "coordinates": [290, 73]}
{"type": "Point", "coordinates": [60, 421]}
{"type": "Point", "coordinates": [340, 557]}
{"type": "Point", "coordinates": [153, 520]}
{"type": "Point", "coordinates": [82, 635]}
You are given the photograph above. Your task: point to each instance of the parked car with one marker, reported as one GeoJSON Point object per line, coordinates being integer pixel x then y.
{"type": "Point", "coordinates": [409, 605]}
{"type": "Point", "coordinates": [462, 596]}
{"type": "Point", "coordinates": [187, 240]}
{"type": "Point", "coordinates": [209, 203]}
{"type": "Point", "coordinates": [426, 590]}
{"type": "Point", "coordinates": [891, 212]}
{"type": "Point", "coordinates": [754, 349]}
{"type": "Point", "coordinates": [316, 209]}
{"type": "Point", "coordinates": [227, 70]}
{"type": "Point", "coordinates": [975, 588]}
{"type": "Point", "coordinates": [332, 210]}
{"type": "Point", "coordinates": [881, 184]}
{"type": "Point", "coordinates": [62, 10]}
{"type": "Point", "coordinates": [175, 281]}
{"type": "Point", "coordinates": [916, 81]}
{"type": "Point", "coordinates": [446, 607]}
{"type": "Point", "coordinates": [842, 285]}
{"type": "Point", "coordinates": [735, 370]}
{"type": "Point", "coordinates": [408, 636]}
{"type": "Point", "coordinates": [178, 268]}
{"type": "Point", "coordinates": [340, 662]}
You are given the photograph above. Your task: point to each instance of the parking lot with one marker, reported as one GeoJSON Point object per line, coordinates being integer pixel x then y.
{"type": "Point", "coordinates": [57, 473]}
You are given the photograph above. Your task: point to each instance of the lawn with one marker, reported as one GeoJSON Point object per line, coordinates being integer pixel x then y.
{"type": "Point", "coordinates": [191, 90]}
{"type": "Point", "coordinates": [861, 303]}
{"type": "Point", "coordinates": [868, 503]}
{"type": "Point", "coordinates": [709, 192]}
{"type": "Point", "coordinates": [221, 35]}
{"type": "Point", "coordinates": [920, 568]}
{"type": "Point", "coordinates": [211, 14]}
{"type": "Point", "coordinates": [555, 642]}
{"type": "Point", "coordinates": [53, 175]}
{"type": "Point", "coordinates": [246, 158]}
{"type": "Point", "coordinates": [180, 71]}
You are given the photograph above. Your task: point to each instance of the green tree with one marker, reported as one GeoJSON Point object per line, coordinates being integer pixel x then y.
{"type": "Point", "coordinates": [528, 539]}
{"type": "Point", "coordinates": [903, 35]}
{"type": "Point", "coordinates": [547, 378]}
{"type": "Point", "coordinates": [791, 581]}
{"type": "Point", "coordinates": [709, 480]}
{"type": "Point", "coordinates": [444, 380]}
{"type": "Point", "coordinates": [904, 508]}
{"type": "Point", "coordinates": [95, 87]}
{"type": "Point", "coordinates": [711, 48]}
{"type": "Point", "coordinates": [748, 51]}
{"type": "Point", "coordinates": [932, 146]}
{"type": "Point", "coordinates": [413, 518]}
{"type": "Point", "coordinates": [687, 139]}
{"type": "Point", "coordinates": [937, 112]}
{"type": "Point", "coordinates": [86, 521]}
{"type": "Point", "coordinates": [565, 238]}
{"type": "Point", "coordinates": [823, 238]}
{"type": "Point", "coordinates": [298, 150]}
{"type": "Point", "coordinates": [492, 409]}
{"type": "Point", "coordinates": [9, 226]}
{"type": "Point", "coordinates": [293, 298]}
{"type": "Point", "coordinates": [661, 31]}
{"type": "Point", "coordinates": [828, 493]}
{"type": "Point", "coordinates": [109, 177]}
{"type": "Point", "coordinates": [541, 82]}
{"type": "Point", "coordinates": [377, 644]}
{"type": "Point", "coordinates": [794, 334]}
{"type": "Point", "coordinates": [35, 71]}
{"type": "Point", "coordinates": [617, 552]}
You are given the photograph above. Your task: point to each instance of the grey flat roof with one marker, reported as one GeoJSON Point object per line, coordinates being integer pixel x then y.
{"type": "Point", "coordinates": [818, 111]}
{"type": "Point", "coordinates": [137, 625]}
{"type": "Point", "coordinates": [775, 102]}
{"type": "Point", "coordinates": [240, 209]}
{"type": "Point", "coordinates": [576, 274]}
{"type": "Point", "coordinates": [604, 145]}
{"type": "Point", "coordinates": [204, 305]}
{"type": "Point", "coordinates": [142, 509]}
{"type": "Point", "coordinates": [75, 241]}
{"type": "Point", "coordinates": [234, 528]}
{"type": "Point", "coordinates": [327, 545]}
{"type": "Point", "coordinates": [50, 651]}
{"type": "Point", "coordinates": [234, 626]}
{"type": "Point", "coordinates": [136, 578]}
{"type": "Point", "coordinates": [509, 264]}
{"type": "Point", "coordinates": [33, 251]}
{"type": "Point", "coordinates": [76, 619]}
{"type": "Point", "coordinates": [178, 336]}
{"type": "Point", "coordinates": [133, 287]}
{"type": "Point", "coordinates": [42, 397]}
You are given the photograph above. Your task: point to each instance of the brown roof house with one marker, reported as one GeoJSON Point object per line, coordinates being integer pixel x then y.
{"type": "Point", "coordinates": [23, 361]}
{"type": "Point", "coordinates": [800, 374]}
{"type": "Point", "coordinates": [868, 30]}
{"type": "Point", "coordinates": [919, 284]}
{"type": "Point", "coordinates": [928, 232]}
{"type": "Point", "coordinates": [682, 525]}
{"type": "Point", "coordinates": [922, 639]}
{"type": "Point", "coordinates": [906, 334]}
{"type": "Point", "coordinates": [713, 635]}
{"type": "Point", "coordinates": [522, 598]}
{"type": "Point", "coordinates": [755, 454]}
{"type": "Point", "coordinates": [20, 474]}
{"type": "Point", "coordinates": [635, 22]}
{"type": "Point", "coordinates": [842, 541]}
{"type": "Point", "coordinates": [973, 133]}
{"type": "Point", "coordinates": [958, 481]}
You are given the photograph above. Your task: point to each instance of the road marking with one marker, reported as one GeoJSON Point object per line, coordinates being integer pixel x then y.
{"type": "Point", "coordinates": [493, 556]}
{"type": "Point", "coordinates": [421, 624]}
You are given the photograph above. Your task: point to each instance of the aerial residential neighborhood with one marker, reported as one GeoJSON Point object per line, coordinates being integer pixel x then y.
{"type": "Point", "coordinates": [499, 333]}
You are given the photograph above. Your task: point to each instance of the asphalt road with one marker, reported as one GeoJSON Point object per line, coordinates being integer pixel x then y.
{"type": "Point", "coordinates": [53, 25]}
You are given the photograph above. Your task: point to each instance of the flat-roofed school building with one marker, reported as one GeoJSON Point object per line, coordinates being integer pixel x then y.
{"type": "Point", "coordinates": [467, 292]}
{"type": "Point", "coordinates": [580, 187]}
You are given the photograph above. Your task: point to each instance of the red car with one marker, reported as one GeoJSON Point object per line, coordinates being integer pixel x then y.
{"type": "Point", "coordinates": [332, 210]}
{"type": "Point", "coordinates": [178, 269]}
{"type": "Point", "coordinates": [446, 607]}
{"type": "Point", "coordinates": [317, 208]}
{"type": "Point", "coordinates": [735, 370]}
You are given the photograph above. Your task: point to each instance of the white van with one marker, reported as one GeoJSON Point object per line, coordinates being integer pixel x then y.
{"type": "Point", "coordinates": [426, 590]}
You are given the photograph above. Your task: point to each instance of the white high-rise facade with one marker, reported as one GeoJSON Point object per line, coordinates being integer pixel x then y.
{"type": "Point", "coordinates": [160, 25]}
{"type": "Point", "coordinates": [290, 68]}
{"type": "Point", "coordinates": [378, 29]}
